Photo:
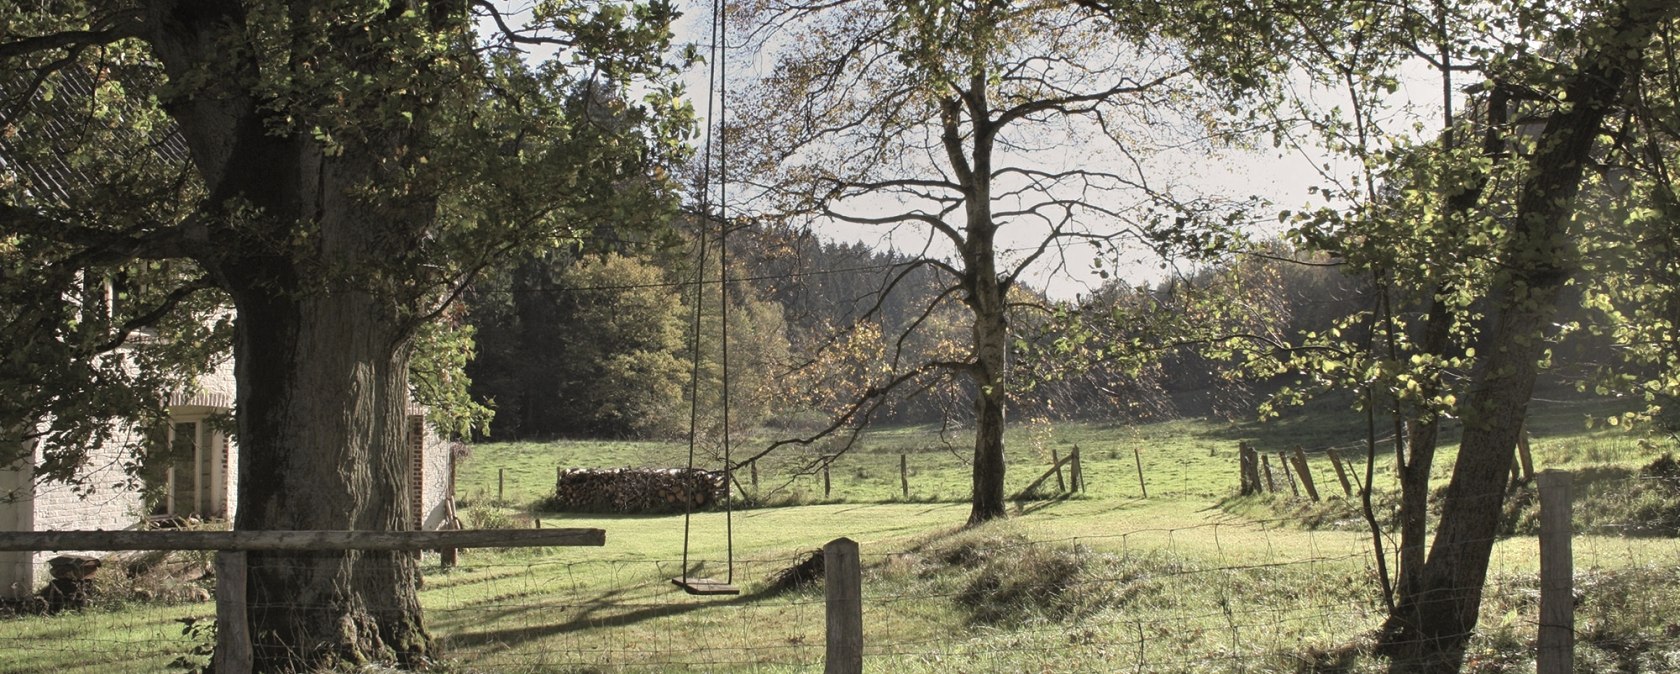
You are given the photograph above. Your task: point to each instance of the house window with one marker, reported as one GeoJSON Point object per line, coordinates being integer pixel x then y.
{"type": "Point", "coordinates": [184, 472]}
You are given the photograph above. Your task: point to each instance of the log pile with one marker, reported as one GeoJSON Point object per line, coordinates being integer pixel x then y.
{"type": "Point", "coordinates": [636, 490]}
{"type": "Point", "coordinates": [72, 584]}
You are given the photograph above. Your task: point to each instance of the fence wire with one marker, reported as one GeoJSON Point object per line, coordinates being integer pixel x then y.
{"type": "Point", "coordinates": [1231, 595]}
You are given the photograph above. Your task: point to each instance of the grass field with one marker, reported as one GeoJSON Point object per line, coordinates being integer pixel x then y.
{"type": "Point", "coordinates": [1190, 579]}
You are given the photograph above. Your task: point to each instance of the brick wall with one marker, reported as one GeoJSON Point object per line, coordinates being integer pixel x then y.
{"type": "Point", "coordinates": [428, 475]}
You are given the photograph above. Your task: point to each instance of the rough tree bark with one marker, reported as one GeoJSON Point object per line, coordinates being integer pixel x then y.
{"type": "Point", "coordinates": [990, 344]}
{"type": "Point", "coordinates": [322, 340]}
{"type": "Point", "coordinates": [323, 394]}
{"type": "Point", "coordinates": [1430, 627]}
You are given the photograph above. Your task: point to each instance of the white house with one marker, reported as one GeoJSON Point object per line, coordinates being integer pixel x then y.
{"type": "Point", "coordinates": [197, 477]}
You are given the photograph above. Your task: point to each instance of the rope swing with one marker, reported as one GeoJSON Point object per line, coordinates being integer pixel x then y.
{"type": "Point", "coordinates": [716, 87]}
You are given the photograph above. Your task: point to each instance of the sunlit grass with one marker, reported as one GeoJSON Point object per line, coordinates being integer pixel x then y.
{"type": "Point", "coordinates": [1203, 588]}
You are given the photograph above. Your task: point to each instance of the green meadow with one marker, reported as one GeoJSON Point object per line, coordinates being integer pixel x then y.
{"type": "Point", "coordinates": [1191, 578]}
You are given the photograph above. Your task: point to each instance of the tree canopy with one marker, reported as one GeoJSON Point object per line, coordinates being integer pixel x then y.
{"type": "Point", "coordinates": [334, 171]}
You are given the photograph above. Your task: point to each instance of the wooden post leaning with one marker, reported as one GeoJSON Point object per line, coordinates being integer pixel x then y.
{"type": "Point", "coordinates": [1341, 473]}
{"type": "Point", "coordinates": [1525, 456]}
{"type": "Point", "coordinates": [1283, 460]}
{"type": "Point", "coordinates": [1306, 473]}
{"type": "Point", "coordinates": [1137, 455]}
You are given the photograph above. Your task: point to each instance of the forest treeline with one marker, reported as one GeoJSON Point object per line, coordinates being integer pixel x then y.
{"type": "Point", "coordinates": [600, 342]}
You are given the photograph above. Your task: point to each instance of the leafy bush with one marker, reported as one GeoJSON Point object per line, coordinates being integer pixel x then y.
{"type": "Point", "coordinates": [487, 517]}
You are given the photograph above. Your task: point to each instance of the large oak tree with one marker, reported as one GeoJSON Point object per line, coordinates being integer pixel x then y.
{"type": "Point", "coordinates": [336, 169]}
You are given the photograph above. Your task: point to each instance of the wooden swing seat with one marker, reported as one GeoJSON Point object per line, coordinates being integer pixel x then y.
{"type": "Point", "coordinates": [705, 586]}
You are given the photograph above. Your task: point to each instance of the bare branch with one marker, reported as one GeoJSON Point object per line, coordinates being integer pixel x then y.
{"type": "Point", "coordinates": [859, 410]}
{"type": "Point", "coordinates": [157, 313]}
{"type": "Point", "coordinates": [1067, 104]}
{"type": "Point", "coordinates": [509, 33]}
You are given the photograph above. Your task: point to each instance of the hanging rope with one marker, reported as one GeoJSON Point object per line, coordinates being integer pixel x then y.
{"type": "Point", "coordinates": [716, 89]}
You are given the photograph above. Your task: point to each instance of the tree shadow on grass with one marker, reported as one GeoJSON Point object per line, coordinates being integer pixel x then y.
{"type": "Point", "coordinates": [600, 611]}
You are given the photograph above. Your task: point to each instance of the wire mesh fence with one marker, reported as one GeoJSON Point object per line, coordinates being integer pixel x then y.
{"type": "Point", "coordinates": [1227, 595]}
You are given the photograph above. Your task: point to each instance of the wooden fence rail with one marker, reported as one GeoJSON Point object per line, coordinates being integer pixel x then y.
{"type": "Point", "coordinates": [233, 654]}
{"type": "Point", "coordinates": [30, 541]}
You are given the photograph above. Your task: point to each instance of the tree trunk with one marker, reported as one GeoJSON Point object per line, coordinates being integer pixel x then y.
{"type": "Point", "coordinates": [986, 293]}
{"type": "Point", "coordinates": [1424, 430]}
{"type": "Point", "coordinates": [327, 284]}
{"type": "Point", "coordinates": [990, 344]}
{"type": "Point", "coordinates": [1422, 437]}
{"type": "Point", "coordinates": [322, 399]}
{"type": "Point", "coordinates": [1414, 500]}
{"type": "Point", "coordinates": [1429, 629]}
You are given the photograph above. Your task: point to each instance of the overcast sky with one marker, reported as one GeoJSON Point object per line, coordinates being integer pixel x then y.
{"type": "Point", "coordinates": [1279, 176]}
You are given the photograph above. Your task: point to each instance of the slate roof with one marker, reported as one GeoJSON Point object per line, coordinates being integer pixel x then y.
{"type": "Point", "coordinates": [62, 119]}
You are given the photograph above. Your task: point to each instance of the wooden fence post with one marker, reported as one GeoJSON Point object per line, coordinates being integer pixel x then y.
{"type": "Point", "coordinates": [449, 557]}
{"type": "Point", "coordinates": [904, 474]}
{"type": "Point", "coordinates": [1056, 465]}
{"type": "Point", "coordinates": [1137, 455]}
{"type": "Point", "coordinates": [1077, 471]}
{"type": "Point", "coordinates": [1248, 467]}
{"type": "Point", "coordinates": [1341, 473]}
{"type": "Point", "coordinates": [1283, 460]}
{"type": "Point", "coordinates": [1306, 473]}
{"type": "Point", "coordinates": [233, 631]}
{"type": "Point", "coordinates": [501, 485]}
{"type": "Point", "coordinates": [1266, 464]}
{"type": "Point", "coordinates": [843, 594]}
{"type": "Point", "coordinates": [1524, 456]}
{"type": "Point", "coordinates": [1557, 575]}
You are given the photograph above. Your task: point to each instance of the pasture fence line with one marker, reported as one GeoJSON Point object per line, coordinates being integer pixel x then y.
{"type": "Point", "coordinates": [1232, 594]}
{"type": "Point", "coordinates": [1067, 472]}
{"type": "Point", "coordinates": [234, 652]}
{"type": "Point", "coordinates": [1255, 471]}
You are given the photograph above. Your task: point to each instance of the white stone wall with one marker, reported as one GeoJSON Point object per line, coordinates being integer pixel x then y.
{"type": "Point", "coordinates": [17, 513]}
{"type": "Point", "coordinates": [212, 397]}
{"type": "Point", "coordinates": [103, 501]}
{"type": "Point", "coordinates": [434, 479]}
{"type": "Point", "coordinates": [221, 383]}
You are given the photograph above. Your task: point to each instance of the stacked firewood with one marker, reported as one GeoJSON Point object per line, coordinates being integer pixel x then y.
{"type": "Point", "coordinates": [636, 490]}
{"type": "Point", "coordinates": [72, 584]}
